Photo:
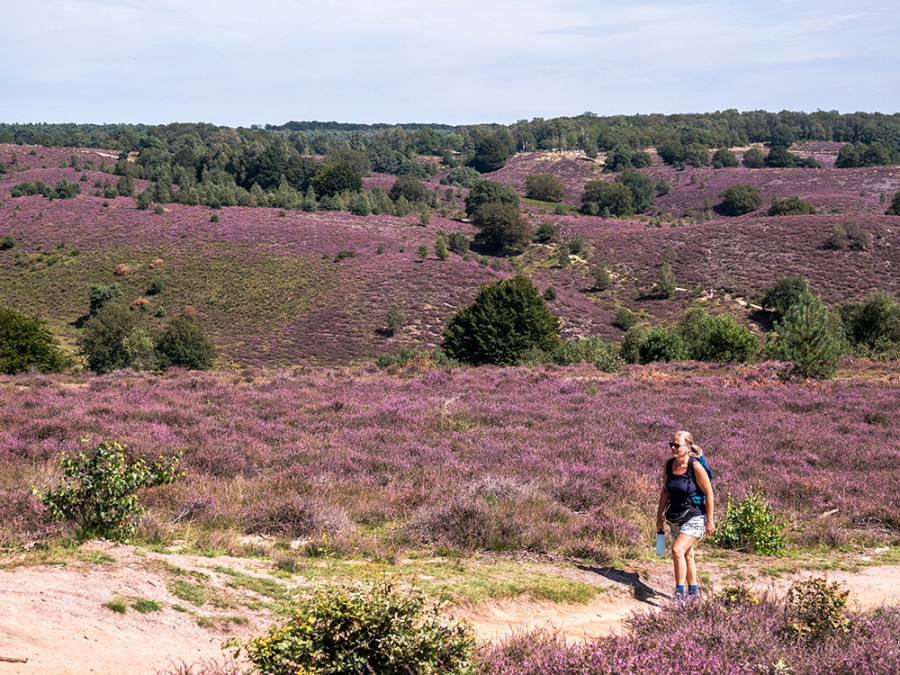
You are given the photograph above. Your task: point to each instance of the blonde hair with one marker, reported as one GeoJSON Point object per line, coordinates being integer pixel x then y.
{"type": "Point", "coordinates": [685, 438]}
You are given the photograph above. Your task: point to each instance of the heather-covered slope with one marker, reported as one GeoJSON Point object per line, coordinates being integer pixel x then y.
{"type": "Point", "coordinates": [268, 289]}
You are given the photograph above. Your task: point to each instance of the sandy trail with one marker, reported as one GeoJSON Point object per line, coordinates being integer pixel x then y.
{"type": "Point", "coordinates": [55, 616]}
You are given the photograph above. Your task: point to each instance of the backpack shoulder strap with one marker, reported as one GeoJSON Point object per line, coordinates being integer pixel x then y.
{"type": "Point", "coordinates": [669, 465]}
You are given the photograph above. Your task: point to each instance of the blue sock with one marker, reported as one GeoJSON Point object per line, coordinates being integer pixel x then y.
{"type": "Point", "coordinates": [692, 590]}
{"type": "Point", "coordinates": [679, 590]}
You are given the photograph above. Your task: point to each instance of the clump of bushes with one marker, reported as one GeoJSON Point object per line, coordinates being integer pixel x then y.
{"type": "Point", "coordinates": [849, 234]}
{"type": "Point", "coordinates": [382, 628]}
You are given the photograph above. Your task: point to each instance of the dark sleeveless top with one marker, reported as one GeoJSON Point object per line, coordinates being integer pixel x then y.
{"type": "Point", "coordinates": [682, 490]}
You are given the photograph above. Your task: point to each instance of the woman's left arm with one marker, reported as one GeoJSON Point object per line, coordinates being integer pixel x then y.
{"type": "Point", "coordinates": [703, 483]}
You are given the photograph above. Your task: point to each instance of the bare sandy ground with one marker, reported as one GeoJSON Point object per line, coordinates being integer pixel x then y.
{"type": "Point", "coordinates": [56, 618]}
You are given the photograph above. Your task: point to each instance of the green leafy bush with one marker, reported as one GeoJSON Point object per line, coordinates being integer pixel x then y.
{"type": "Point", "coordinates": [393, 320]}
{"type": "Point", "coordinates": [545, 232]}
{"type": "Point", "coordinates": [661, 344]}
{"type": "Point", "coordinates": [115, 338]}
{"type": "Point", "coordinates": [818, 609]}
{"type": "Point", "coordinates": [603, 198]}
{"type": "Point", "coordinates": [602, 280]}
{"type": "Point", "coordinates": [750, 525]}
{"type": "Point", "coordinates": [544, 187]}
{"type": "Point", "coordinates": [25, 343]}
{"type": "Point", "coordinates": [490, 192]}
{"type": "Point", "coordinates": [99, 490]}
{"type": "Point", "coordinates": [357, 629]}
{"type": "Point", "coordinates": [501, 226]}
{"type": "Point", "coordinates": [7, 242]}
{"type": "Point", "coordinates": [458, 243]}
{"type": "Point", "coordinates": [185, 345]}
{"type": "Point", "coordinates": [792, 206]}
{"type": "Point", "coordinates": [739, 199]}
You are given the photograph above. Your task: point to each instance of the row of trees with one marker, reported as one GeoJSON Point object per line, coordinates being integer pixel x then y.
{"type": "Point", "coordinates": [114, 337]}
{"type": "Point", "coordinates": [587, 132]}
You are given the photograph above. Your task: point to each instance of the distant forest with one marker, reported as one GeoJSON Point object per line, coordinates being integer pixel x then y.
{"type": "Point", "coordinates": [287, 164]}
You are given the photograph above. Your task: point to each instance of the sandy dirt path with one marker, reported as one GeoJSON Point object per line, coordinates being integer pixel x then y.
{"type": "Point", "coordinates": [55, 616]}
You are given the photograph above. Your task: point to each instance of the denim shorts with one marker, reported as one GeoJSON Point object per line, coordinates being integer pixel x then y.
{"type": "Point", "coordinates": [695, 527]}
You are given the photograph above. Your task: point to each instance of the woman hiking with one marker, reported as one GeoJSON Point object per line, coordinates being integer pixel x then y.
{"type": "Point", "coordinates": [686, 503]}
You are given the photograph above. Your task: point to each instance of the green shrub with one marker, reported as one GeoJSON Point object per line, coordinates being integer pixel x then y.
{"type": "Point", "coordinates": [506, 318]}
{"type": "Point", "coordinates": [666, 285]}
{"type": "Point", "coordinates": [793, 206]}
{"type": "Point", "coordinates": [750, 526]}
{"type": "Point", "coordinates": [894, 208]}
{"type": "Point", "coordinates": [501, 226]}
{"type": "Point", "coordinates": [464, 176]}
{"type": "Point", "coordinates": [602, 279]}
{"type": "Point", "coordinates": [490, 192]}
{"type": "Point", "coordinates": [661, 344]}
{"type": "Point", "coordinates": [118, 605]}
{"type": "Point", "coordinates": [724, 157]}
{"type": "Point", "coordinates": [592, 349]}
{"type": "Point", "coordinates": [607, 199]}
{"type": "Point", "coordinates": [625, 318]}
{"type": "Point", "coordinates": [410, 187]}
{"type": "Point", "coordinates": [545, 232]}
{"type": "Point", "coordinates": [185, 345]}
{"type": "Point", "coordinates": [7, 242]}
{"type": "Point", "coordinates": [440, 247]}
{"type": "Point", "coordinates": [340, 255]}
{"type": "Point", "coordinates": [805, 337]}
{"type": "Point", "coordinates": [156, 286]}
{"type": "Point", "coordinates": [739, 199]}
{"type": "Point", "coordinates": [380, 628]}
{"type": "Point", "coordinates": [115, 338]}
{"type": "Point", "coordinates": [99, 490]}
{"type": "Point", "coordinates": [394, 320]}
{"type": "Point", "coordinates": [25, 343]}
{"type": "Point", "coordinates": [145, 606]}
{"type": "Point", "coordinates": [736, 596]}
{"type": "Point", "coordinates": [549, 294]}
{"type": "Point", "coordinates": [544, 187]}
{"type": "Point", "coordinates": [817, 609]}
{"type": "Point", "coordinates": [458, 243]}
{"type": "Point", "coordinates": [784, 294]}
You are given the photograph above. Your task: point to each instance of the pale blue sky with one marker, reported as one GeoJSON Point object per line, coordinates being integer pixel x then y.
{"type": "Point", "coordinates": [239, 63]}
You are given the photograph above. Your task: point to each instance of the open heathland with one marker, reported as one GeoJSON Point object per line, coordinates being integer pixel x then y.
{"type": "Point", "coordinates": [272, 289]}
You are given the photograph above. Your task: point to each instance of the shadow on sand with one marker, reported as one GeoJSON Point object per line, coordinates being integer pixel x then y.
{"type": "Point", "coordinates": [639, 589]}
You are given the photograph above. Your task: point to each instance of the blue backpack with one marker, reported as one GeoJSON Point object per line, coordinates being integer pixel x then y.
{"type": "Point", "coordinates": [701, 498]}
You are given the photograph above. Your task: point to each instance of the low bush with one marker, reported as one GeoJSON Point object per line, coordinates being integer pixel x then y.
{"type": "Point", "coordinates": [381, 628]}
{"type": "Point", "coordinates": [296, 517]}
{"type": "Point", "coordinates": [792, 206]}
{"type": "Point", "coordinates": [99, 490]}
{"type": "Point", "coordinates": [750, 525]}
{"type": "Point", "coordinates": [817, 609]}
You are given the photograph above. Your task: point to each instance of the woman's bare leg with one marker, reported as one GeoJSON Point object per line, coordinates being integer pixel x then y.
{"type": "Point", "coordinates": [683, 557]}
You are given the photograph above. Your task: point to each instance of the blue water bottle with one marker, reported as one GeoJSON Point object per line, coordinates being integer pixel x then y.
{"type": "Point", "coordinates": [660, 543]}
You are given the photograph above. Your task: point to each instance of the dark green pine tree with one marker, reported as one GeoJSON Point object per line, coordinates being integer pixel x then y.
{"type": "Point", "coordinates": [805, 341]}
{"type": "Point", "coordinates": [507, 318]}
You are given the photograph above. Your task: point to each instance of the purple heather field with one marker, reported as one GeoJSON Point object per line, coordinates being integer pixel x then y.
{"type": "Point", "coordinates": [268, 289]}
{"type": "Point", "coordinates": [545, 459]}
